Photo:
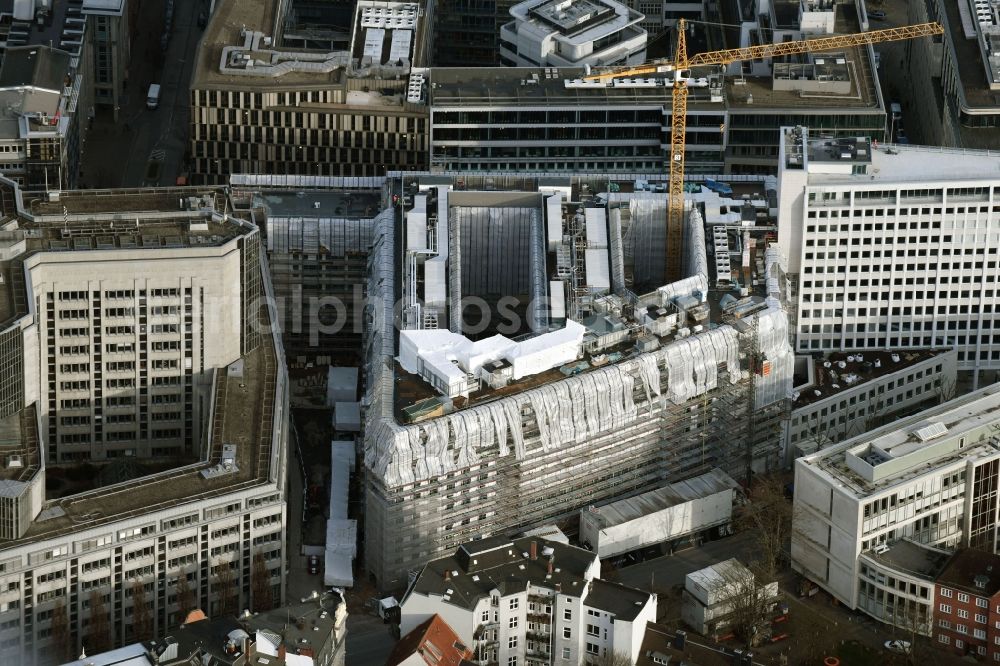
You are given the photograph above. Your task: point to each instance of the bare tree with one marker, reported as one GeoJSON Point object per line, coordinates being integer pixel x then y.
{"type": "Point", "coordinates": [749, 599]}
{"type": "Point", "coordinates": [612, 658]}
{"type": "Point", "coordinates": [142, 619]}
{"type": "Point", "coordinates": [225, 586]}
{"type": "Point", "coordinates": [62, 640]}
{"type": "Point", "coordinates": [260, 583]}
{"type": "Point", "coordinates": [185, 596]}
{"type": "Point", "coordinates": [768, 515]}
{"type": "Point", "coordinates": [99, 637]}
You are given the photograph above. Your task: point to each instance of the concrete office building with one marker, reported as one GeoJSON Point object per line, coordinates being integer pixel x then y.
{"type": "Point", "coordinates": [572, 33]}
{"type": "Point", "coordinates": [256, 108]}
{"type": "Point", "coordinates": [41, 89]}
{"type": "Point", "coordinates": [133, 333]}
{"type": "Point", "coordinates": [477, 425]}
{"type": "Point", "coordinates": [529, 601]}
{"type": "Point", "coordinates": [955, 77]}
{"type": "Point", "coordinates": [551, 120]}
{"type": "Point", "coordinates": [865, 508]}
{"type": "Point", "coordinates": [110, 47]}
{"type": "Point", "coordinates": [843, 395]}
{"type": "Point", "coordinates": [891, 248]}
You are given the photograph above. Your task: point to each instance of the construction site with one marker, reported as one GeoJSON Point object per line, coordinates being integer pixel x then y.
{"type": "Point", "coordinates": [519, 368]}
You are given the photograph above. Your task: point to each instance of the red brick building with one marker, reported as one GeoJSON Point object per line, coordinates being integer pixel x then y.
{"type": "Point", "coordinates": [967, 605]}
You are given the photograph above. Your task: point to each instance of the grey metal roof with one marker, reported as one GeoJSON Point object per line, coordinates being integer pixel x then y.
{"type": "Point", "coordinates": [663, 498]}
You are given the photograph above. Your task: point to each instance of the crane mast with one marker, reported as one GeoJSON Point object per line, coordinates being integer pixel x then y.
{"type": "Point", "coordinates": [680, 69]}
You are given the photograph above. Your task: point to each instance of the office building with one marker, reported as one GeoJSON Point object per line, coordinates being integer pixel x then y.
{"type": "Point", "coordinates": [956, 76]}
{"type": "Point", "coordinates": [529, 601]}
{"type": "Point", "coordinates": [572, 33]}
{"type": "Point", "coordinates": [522, 370]}
{"type": "Point", "coordinates": [968, 605]}
{"type": "Point", "coordinates": [110, 45]}
{"type": "Point", "coordinates": [467, 32]}
{"type": "Point", "coordinates": [133, 340]}
{"type": "Point", "coordinates": [890, 248]}
{"type": "Point", "coordinates": [529, 119]}
{"type": "Point", "coordinates": [41, 89]}
{"type": "Point", "coordinates": [258, 108]}
{"type": "Point", "coordinates": [843, 395]}
{"type": "Point", "coordinates": [875, 515]}
{"type": "Point", "coordinates": [319, 232]}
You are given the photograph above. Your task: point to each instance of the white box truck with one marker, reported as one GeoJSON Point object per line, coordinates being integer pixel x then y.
{"type": "Point", "coordinates": [153, 96]}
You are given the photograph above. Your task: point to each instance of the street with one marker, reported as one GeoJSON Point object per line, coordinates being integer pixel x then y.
{"type": "Point", "coordinates": [146, 147]}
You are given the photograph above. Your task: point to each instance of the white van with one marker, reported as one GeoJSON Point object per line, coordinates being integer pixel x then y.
{"type": "Point", "coordinates": [153, 96]}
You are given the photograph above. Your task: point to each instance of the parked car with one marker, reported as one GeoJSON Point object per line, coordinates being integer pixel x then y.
{"type": "Point", "coordinates": [898, 646]}
{"type": "Point", "coordinates": [877, 15]}
{"type": "Point", "coordinates": [313, 566]}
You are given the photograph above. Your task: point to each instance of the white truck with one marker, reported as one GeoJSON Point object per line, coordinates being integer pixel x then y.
{"type": "Point", "coordinates": [153, 96]}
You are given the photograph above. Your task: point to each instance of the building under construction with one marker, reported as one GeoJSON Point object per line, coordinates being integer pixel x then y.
{"type": "Point", "coordinates": [514, 376]}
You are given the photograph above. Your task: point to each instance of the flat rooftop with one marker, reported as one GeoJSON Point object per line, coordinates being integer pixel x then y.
{"type": "Point", "coordinates": [382, 36]}
{"type": "Point", "coordinates": [124, 219]}
{"type": "Point", "coordinates": [859, 368]}
{"type": "Point", "coordinates": [357, 204]}
{"type": "Point", "coordinates": [241, 417]}
{"type": "Point", "coordinates": [899, 164]}
{"type": "Point", "coordinates": [914, 445]}
{"type": "Point", "coordinates": [754, 95]}
{"type": "Point", "coordinates": [913, 558]}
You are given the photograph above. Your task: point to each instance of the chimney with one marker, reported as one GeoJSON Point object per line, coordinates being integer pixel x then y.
{"type": "Point", "coordinates": [447, 574]}
{"type": "Point", "coordinates": [550, 566]}
{"type": "Point", "coordinates": [558, 588]}
{"type": "Point", "coordinates": [534, 550]}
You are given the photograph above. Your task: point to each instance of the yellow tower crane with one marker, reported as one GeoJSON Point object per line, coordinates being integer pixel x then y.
{"type": "Point", "coordinates": [681, 66]}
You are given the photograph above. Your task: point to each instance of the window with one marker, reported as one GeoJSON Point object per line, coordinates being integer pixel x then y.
{"type": "Point", "coordinates": [946, 593]}
{"type": "Point", "coordinates": [959, 644]}
{"type": "Point", "coordinates": [944, 624]}
{"type": "Point", "coordinates": [943, 639]}
{"type": "Point", "coordinates": [513, 603]}
{"type": "Point", "coordinates": [567, 632]}
{"type": "Point", "coordinates": [945, 608]}
{"type": "Point", "coordinates": [566, 650]}
{"type": "Point", "coordinates": [485, 617]}
{"type": "Point", "coordinates": [963, 597]}
{"type": "Point", "coordinates": [512, 661]}
{"type": "Point", "coordinates": [979, 633]}
{"type": "Point", "coordinates": [512, 623]}
{"type": "Point", "coordinates": [981, 602]}
{"type": "Point", "coordinates": [962, 613]}
{"type": "Point", "coordinates": [567, 614]}
{"type": "Point", "coordinates": [592, 648]}
{"type": "Point", "coordinates": [512, 642]}
{"type": "Point", "coordinates": [961, 628]}
{"type": "Point", "coordinates": [593, 630]}
{"type": "Point", "coordinates": [980, 618]}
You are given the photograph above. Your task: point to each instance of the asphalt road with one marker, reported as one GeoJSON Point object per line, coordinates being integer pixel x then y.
{"type": "Point", "coordinates": [144, 146]}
